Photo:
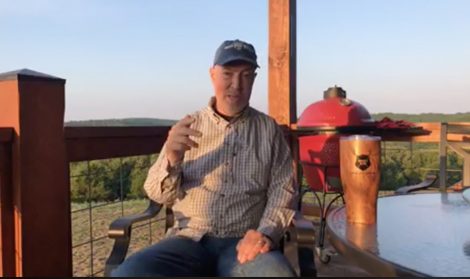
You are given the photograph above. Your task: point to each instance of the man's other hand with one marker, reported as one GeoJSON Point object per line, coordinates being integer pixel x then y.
{"type": "Point", "coordinates": [252, 244]}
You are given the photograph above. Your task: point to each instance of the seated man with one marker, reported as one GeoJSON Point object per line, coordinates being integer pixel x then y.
{"type": "Point", "coordinates": [227, 172]}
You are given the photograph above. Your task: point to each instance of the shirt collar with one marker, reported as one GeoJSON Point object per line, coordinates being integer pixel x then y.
{"type": "Point", "coordinates": [242, 116]}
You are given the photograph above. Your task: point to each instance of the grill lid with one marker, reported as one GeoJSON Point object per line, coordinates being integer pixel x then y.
{"type": "Point", "coordinates": [335, 111]}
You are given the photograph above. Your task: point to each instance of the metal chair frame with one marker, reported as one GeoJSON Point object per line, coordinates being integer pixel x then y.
{"type": "Point", "coordinates": [297, 244]}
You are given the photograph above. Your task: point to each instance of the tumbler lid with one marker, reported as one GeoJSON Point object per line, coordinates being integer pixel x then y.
{"type": "Point", "coordinates": [360, 138]}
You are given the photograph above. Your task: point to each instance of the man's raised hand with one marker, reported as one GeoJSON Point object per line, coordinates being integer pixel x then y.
{"type": "Point", "coordinates": [178, 141]}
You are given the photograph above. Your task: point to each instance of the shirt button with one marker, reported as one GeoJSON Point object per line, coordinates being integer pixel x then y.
{"type": "Point", "coordinates": [222, 195]}
{"type": "Point", "coordinates": [234, 154]}
{"type": "Point", "coordinates": [226, 163]}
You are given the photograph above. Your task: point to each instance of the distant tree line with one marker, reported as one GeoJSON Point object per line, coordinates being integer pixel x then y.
{"type": "Point", "coordinates": [425, 117]}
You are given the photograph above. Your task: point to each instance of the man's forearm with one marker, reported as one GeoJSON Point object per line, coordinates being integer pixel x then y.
{"type": "Point", "coordinates": [163, 180]}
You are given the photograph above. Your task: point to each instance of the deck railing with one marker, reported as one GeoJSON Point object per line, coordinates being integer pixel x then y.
{"type": "Point", "coordinates": [90, 220]}
{"type": "Point", "coordinates": [7, 232]}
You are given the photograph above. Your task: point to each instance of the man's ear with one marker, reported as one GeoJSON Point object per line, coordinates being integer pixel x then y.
{"type": "Point", "coordinates": [212, 72]}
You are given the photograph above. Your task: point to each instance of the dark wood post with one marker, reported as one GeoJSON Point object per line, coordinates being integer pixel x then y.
{"type": "Point", "coordinates": [7, 224]}
{"type": "Point", "coordinates": [33, 105]}
{"type": "Point", "coordinates": [282, 61]}
{"type": "Point", "coordinates": [282, 102]}
{"type": "Point", "coordinates": [443, 158]}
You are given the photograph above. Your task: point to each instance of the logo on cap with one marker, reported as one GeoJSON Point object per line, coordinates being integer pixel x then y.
{"type": "Point", "coordinates": [239, 46]}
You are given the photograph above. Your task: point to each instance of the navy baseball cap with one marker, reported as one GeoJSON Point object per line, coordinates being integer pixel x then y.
{"type": "Point", "coordinates": [235, 50]}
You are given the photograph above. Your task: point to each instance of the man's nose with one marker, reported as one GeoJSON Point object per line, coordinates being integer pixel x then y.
{"type": "Point", "coordinates": [236, 82]}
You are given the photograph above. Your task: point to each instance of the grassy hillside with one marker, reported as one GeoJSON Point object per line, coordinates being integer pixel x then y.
{"type": "Point", "coordinates": [425, 117]}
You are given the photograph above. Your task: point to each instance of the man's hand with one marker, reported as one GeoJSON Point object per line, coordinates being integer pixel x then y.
{"type": "Point", "coordinates": [178, 141]}
{"type": "Point", "coordinates": [252, 244]}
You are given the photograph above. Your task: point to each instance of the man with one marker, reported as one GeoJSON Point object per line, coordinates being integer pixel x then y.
{"type": "Point", "coordinates": [227, 172]}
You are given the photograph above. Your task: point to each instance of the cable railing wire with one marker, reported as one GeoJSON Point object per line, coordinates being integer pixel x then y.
{"type": "Point", "coordinates": [92, 206]}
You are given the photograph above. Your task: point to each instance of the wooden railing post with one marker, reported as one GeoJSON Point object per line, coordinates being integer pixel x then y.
{"type": "Point", "coordinates": [282, 103]}
{"type": "Point", "coordinates": [33, 105]}
{"type": "Point", "coordinates": [443, 158]}
{"type": "Point", "coordinates": [7, 224]}
{"type": "Point", "coordinates": [282, 61]}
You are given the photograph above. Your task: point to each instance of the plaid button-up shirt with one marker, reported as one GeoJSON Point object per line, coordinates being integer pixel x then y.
{"type": "Point", "coordinates": [239, 178]}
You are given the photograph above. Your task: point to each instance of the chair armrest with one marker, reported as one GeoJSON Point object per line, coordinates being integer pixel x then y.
{"type": "Point", "coordinates": [120, 231]}
{"type": "Point", "coordinates": [299, 246]}
{"type": "Point", "coordinates": [428, 181]}
{"type": "Point", "coordinates": [121, 226]}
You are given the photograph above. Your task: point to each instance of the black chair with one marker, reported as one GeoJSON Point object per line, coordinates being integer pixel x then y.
{"type": "Point", "coordinates": [428, 181]}
{"type": "Point", "coordinates": [298, 242]}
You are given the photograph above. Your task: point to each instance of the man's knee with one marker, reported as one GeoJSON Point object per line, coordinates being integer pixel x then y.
{"type": "Point", "coordinates": [271, 264]}
{"type": "Point", "coordinates": [134, 266]}
{"type": "Point", "coordinates": [176, 256]}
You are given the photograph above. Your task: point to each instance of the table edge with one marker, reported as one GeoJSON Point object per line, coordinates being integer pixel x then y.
{"type": "Point", "coordinates": [371, 263]}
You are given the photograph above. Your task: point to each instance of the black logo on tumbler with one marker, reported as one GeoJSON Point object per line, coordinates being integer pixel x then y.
{"type": "Point", "coordinates": [362, 162]}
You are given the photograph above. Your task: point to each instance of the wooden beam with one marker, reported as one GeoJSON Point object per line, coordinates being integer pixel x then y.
{"type": "Point", "coordinates": [282, 61]}
{"type": "Point", "coordinates": [6, 134]}
{"type": "Point", "coordinates": [282, 103]}
{"type": "Point", "coordinates": [7, 224]}
{"type": "Point", "coordinates": [95, 143]}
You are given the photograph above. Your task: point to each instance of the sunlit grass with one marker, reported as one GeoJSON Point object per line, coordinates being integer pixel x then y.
{"type": "Point", "coordinates": [101, 218]}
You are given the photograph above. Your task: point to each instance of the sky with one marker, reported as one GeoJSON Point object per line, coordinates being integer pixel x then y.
{"type": "Point", "coordinates": [150, 58]}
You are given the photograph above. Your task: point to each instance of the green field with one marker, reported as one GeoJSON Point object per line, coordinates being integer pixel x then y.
{"type": "Point", "coordinates": [86, 251]}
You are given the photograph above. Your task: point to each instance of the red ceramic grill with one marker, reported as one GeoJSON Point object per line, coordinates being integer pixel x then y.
{"type": "Point", "coordinates": [319, 128]}
{"type": "Point", "coordinates": [322, 124]}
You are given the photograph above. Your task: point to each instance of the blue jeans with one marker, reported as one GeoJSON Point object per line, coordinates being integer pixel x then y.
{"type": "Point", "coordinates": [181, 256]}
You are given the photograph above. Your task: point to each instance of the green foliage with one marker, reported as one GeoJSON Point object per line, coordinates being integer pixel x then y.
{"type": "Point", "coordinates": [109, 180]}
{"type": "Point", "coordinates": [119, 179]}
{"type": "Point", "coordinates": [403, 164]}
{"type": "Point", "coordinates": [89, 184]}
{"type": "Point", "coordinates": [425, 117]}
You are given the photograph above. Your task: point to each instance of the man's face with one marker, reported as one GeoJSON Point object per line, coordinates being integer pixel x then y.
{"type": "Point", "coordinates": [232, 86]}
